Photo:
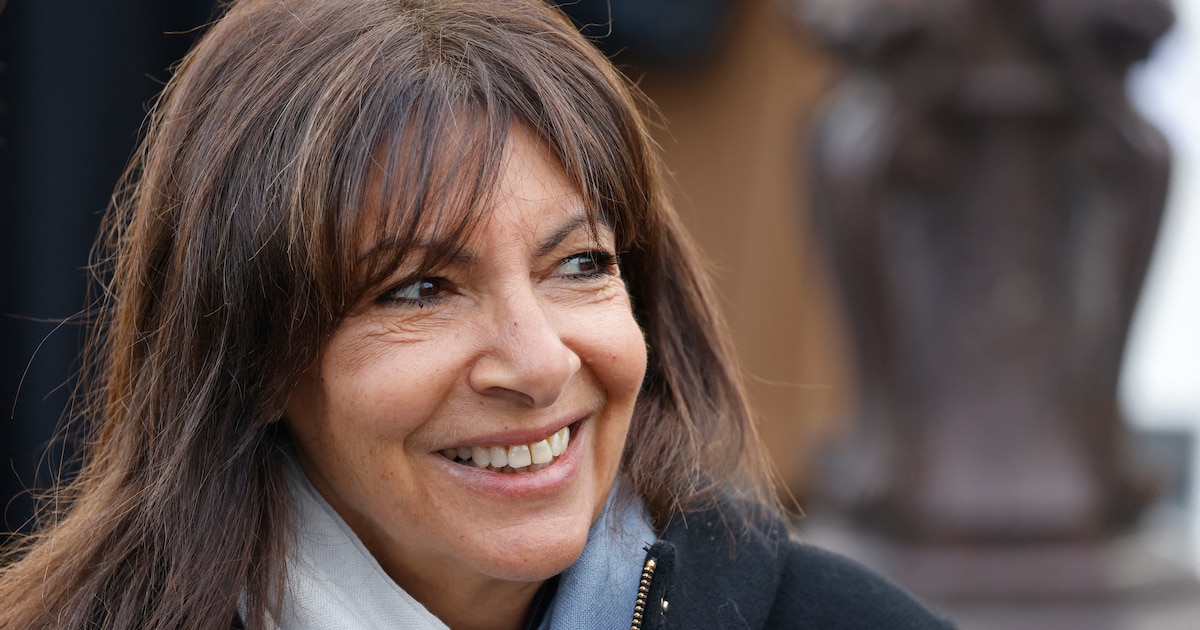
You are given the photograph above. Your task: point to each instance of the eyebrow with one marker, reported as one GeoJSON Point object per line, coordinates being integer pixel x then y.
{"type": "Point", "coordinates": [467, 258]}
{"type": "Point", "coordinates": [555, 238]}
{"type": "Point", "coordinates": [458, 257]}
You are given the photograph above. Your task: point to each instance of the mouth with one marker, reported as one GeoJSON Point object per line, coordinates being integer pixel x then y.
{"type": "Point", "coordinates": [515, 459]}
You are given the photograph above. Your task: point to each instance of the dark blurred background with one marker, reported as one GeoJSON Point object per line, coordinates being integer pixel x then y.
{"type": "Point", "coordinates": [75, 83]}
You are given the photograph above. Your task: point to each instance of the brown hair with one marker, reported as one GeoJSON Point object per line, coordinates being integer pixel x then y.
{"type": "Point", "coordinates": [233, 255]}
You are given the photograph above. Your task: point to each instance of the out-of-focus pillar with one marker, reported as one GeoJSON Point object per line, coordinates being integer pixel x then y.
{"type": "Point", "coordinates": [989, 201]}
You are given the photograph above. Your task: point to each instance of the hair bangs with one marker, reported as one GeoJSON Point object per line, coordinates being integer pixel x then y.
{"type": "Point", "coordinates": [429, 187]}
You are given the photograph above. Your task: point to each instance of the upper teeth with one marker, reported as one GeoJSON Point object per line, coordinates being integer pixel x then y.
{"type": "Point", "coordinates": [517, 458]}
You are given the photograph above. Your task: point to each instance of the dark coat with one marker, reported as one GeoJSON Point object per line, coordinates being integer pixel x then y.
{"type": "Point", "coordinates": [763, 579]}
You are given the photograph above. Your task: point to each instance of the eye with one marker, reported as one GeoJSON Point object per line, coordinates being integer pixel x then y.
{"type": "Point", "coordinates": [589, 264]}
{"type": "Point", "coordinates": [416, 292]}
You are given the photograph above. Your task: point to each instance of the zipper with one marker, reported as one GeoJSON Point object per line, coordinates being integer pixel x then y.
{"type": "Point", "coordinates": [639, 608]}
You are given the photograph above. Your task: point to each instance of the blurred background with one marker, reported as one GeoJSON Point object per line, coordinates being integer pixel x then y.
{"type": "Point", "coordinates": [75, 80]}
{"type": "Point", "coordinates": [876, 183]}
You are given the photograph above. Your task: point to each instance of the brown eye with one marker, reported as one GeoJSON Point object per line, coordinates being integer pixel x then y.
{"type": "Point", "coordinates": [417, 292]}
{"type": "Point", "coordinates": [588, 264]}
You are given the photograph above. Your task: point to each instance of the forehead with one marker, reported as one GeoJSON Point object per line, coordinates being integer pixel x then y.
{"type": "Point", "coordinates": [533, 192]}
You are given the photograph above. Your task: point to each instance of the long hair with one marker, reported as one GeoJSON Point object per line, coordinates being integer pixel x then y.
{"type": "Point", "coordinates": [232, 252]}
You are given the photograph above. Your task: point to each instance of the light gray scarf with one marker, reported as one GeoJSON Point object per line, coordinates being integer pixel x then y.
{"type": "Point", "coordinates": [334, 583]}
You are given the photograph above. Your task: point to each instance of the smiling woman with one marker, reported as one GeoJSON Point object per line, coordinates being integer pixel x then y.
{"type": "Point", "coordinates": [401, 331]}
{"type": "Point", "coordinates": [427, 420]}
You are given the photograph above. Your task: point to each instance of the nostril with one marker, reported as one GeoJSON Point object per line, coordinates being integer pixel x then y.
{"type": "Point", "coordinates": [534, 376]}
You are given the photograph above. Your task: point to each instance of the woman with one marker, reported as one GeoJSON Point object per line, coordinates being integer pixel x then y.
{"type": "Point", "coordinates": [402, 332]}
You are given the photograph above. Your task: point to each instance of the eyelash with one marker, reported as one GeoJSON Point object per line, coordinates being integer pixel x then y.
{"type": "Point", "coordinates": [392, 295]}
{"type": "Point", "coordinates": [604, 264]}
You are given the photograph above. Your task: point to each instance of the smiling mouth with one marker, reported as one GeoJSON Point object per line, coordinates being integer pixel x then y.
{"type": "Point", "coordinates": [518, 458]}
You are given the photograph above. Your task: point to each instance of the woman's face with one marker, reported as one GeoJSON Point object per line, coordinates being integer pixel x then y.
{"type": "Point", "coordinates": [527, 334]}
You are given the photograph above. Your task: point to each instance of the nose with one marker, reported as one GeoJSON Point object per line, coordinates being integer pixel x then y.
{"type": "Point", "coordinates": [525, 358]}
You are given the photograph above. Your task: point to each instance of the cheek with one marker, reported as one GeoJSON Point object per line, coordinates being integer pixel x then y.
{"type": "Point", "coordinates": [385, 392]}
{"type": "Point", "coordinates": [633, 353]}
{"type": "Point", "coordinates": [620, 358]}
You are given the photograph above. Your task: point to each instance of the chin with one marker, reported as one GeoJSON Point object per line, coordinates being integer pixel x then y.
{"type": "Point", "coordinates": [534, 553]}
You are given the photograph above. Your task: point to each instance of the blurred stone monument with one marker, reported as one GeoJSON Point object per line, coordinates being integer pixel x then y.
{"type": "Point", "coordinates": [989, 201]}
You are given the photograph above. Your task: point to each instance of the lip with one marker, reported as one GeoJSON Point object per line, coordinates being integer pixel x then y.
{"type": "Point", "coordinates": [512, 485]}
{"type": "Point", "coordinates": [527, 435]}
